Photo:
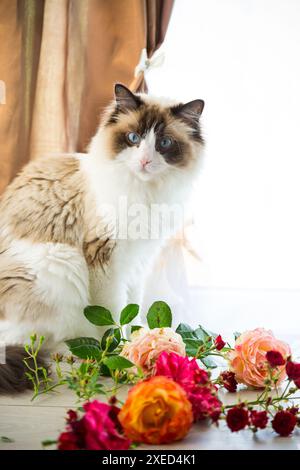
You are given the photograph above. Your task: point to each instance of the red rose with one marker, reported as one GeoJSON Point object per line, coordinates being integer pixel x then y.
{"type": "Point", "coordinates": [68, 441]}
{"type": "Point", "coordinates": [284, 423]}
{"type": "Point", "coordinates": [98, 429]}
{"type": "Point", "coordinates": [219, 343]}
{"type": "Point", "coordinates": [227, 380]}
{"type": "Point", "coordinates": [275, 358]}
{"type": "Point", "coordinates": [293, 371]}
{"type": "Point", "coordinates": [259, 419]}
{"type": "Point", "coordinates": [237, 418]}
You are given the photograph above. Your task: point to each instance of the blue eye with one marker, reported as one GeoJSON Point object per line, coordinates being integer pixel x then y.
{"type": "Point", "coordinates": [165, 142]}
{"type": "Point", "coordinates": [133, 138]}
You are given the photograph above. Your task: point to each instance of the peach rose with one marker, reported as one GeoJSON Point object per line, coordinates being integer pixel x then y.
{"type": "Point", "coordinates": [248, 360]}
{"type": "Point", "coordinates": [156, 411]}
{"type": "Point", "coordinates": [146, 345]}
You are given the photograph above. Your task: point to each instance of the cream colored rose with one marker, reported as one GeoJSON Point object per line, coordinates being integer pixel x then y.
{"type": "Point", "coordinates": [146, 345]}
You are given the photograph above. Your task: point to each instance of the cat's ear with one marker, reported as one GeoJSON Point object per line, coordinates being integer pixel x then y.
{"type": "Point", "coordinates": [189, 112]}
{"type": "Point", "coordinates": [125, 99]}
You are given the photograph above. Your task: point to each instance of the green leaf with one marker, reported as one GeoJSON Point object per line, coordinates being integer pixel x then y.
{"type": "Point", "coordinates": [208, 362]}
{"type": "Point", "coordinates": [85, 348]}
{"type": "Point", "coordinates": [201, 335]}
{"type": "Point", "coordinates": [236, 334]}
{"type": "Point", "coordinates": [104, 370]}
{"type": "Point", "coordinates": [129, 313]}
{"type": "Point", "coordinates": [193, 339]}
{"type": "Point", "coordinates": [116, 338]}
{"type": "Point", "coordinates": [135, 328]}
{"type": "Point", "coordinates": [6, 439]}
{"type": "Point", "coordinates": [99, 316]}
{"type": "Point", "coordinates": [48, 442]}
{"type": "Point", "coordinates": [192, 346]}
{"type": "Point", "coordinates": [159, 315]}
{"type": "Point", "coordinates": [185, 331]}
{"type": "Point", "coordinates": [206, 332]}
{"type": "Point", "coordinates": [117, 362]}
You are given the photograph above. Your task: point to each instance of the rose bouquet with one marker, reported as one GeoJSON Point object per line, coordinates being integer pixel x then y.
{"type": "Point", "coordinates": [172, 379]}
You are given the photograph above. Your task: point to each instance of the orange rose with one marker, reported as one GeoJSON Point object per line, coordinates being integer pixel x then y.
{"type": "Point", "coordinates": [248, 360]}
{"type": "Point", "coordinates": [156, 411]}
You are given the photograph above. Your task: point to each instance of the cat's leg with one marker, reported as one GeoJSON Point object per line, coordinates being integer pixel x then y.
{"type": "Point", "coordinates": [118, 291]}
{"type": "Point", "coordinates": [136, 296]}
{"type": "Point", "coordinates": [43, 289]}
{"type": "Point", "coordinates": [109, 290]}
{"type": "Point", "coordinates": [121, 281]}
{"type": "Point", "coordinates": [137, 278]}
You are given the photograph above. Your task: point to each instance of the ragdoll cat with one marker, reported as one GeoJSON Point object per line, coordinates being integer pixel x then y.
{"type": "Point", "coordinates": [60, 243]}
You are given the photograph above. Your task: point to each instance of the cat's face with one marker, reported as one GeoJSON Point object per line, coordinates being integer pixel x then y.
{"type": "Point", "coordinates": [151, 138]}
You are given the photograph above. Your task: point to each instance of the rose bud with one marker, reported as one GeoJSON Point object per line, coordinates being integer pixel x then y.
{"type": "Point", "coordinates": [219, 343]}
{"type": "Point", "coordinates": [112, 400]}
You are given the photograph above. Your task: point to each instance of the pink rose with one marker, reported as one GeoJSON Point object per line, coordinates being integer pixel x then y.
{"type": "Point", "coordinates": [146, 345]}
{"type": "Point", "coordinates": [248, 360]}
{"type": "Point", "coordinates": [98, 429]}
{"type": "Point", "coordinates": [205, 403]}
{"type": "Point", "coordinates": [194, 380]}
{"type": "Point", "coordinates": [183, 370]}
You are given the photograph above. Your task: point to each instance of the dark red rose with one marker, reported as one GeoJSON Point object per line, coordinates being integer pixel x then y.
{"type": "Point", "coordinates": [293, 371]}
{"type": "Point", "coordinates": [297, 383]}
{"type": "Point", "coordinates": [275, 358]}
{"type": "Point", "coordinates": [219, 343]}
{"type": "Point", "coordinates": [113, 400]}
{"type": "Point", "coordinates": [227, 379]}
{"type": "Point", "coordinates": [237, 418]}
{"type": "Point", "coordinates": [72, 416]}
{"type": "Point", "coordinates": [259, 419]}
{"type": "Point", "coordinates": [293, 409]}
{"type": "Point", "coordinates": [68, 441]}
{"type": "Point", "coordinates": [284, 423]}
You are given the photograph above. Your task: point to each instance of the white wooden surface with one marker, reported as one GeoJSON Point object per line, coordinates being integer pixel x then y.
{"type": "Point", "coordinates": [29, 423]}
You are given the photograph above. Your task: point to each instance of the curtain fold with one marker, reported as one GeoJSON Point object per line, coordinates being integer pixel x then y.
{"type": "Point", "coordinates": [59, 60]}
{"type": "Point", "coordinates": [49, 133]}
{"type": "Point", "coordinates": [20, 35]}
{"type": "Point", "coordinates": [157, 17]}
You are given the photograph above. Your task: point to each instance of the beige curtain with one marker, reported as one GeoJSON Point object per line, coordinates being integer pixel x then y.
{"type": "Point", "coordinates": [59, 60]}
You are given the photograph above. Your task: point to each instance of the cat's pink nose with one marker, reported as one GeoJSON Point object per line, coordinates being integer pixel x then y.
{"type": "Point", "coordinates": [145, 161]}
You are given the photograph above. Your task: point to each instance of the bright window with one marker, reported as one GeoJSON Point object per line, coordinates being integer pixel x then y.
{"type": "Point", "coordinates": [242, 58]}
